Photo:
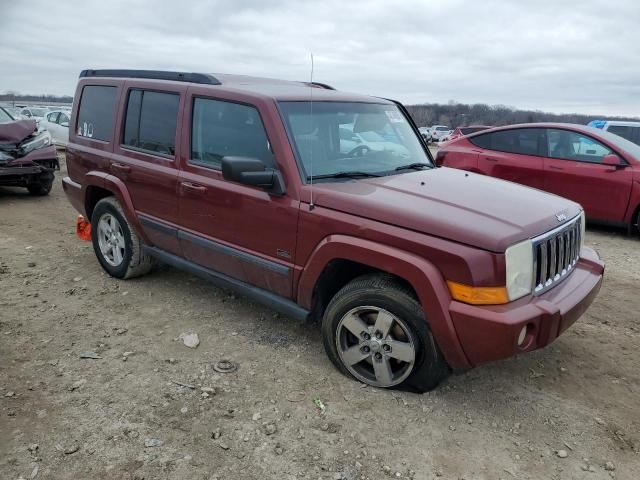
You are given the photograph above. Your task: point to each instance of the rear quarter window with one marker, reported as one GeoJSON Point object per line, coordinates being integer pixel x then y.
{"type": "Point", "coordinates": [97, 112]}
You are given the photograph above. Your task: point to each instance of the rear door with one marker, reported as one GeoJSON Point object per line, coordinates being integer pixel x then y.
{"type": "Point", "coordinates": [574, 169]}
{"type": "Point", "coordinates": [239, 230]}
{"type": "Point", "coordinates": [145, 155]}
{"type": "Point", "coordinates": [514, 155]}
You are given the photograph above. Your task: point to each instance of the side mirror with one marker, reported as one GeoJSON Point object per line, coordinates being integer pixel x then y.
{"type": "Point", "coordinates": [251, 171]}
{"type": "Point", "coordinates": [612, 160]}
{"type": "Point", "coordinates": [64, 124]}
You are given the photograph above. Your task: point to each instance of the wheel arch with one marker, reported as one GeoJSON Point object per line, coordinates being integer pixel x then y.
{"type": "Point", "coordinates": [100, 186]}
{"type": "Point", "coordinates": [340, 258]}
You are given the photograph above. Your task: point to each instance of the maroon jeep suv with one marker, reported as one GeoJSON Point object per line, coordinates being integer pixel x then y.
{"type": "Point", "coordinates": [325, 205]}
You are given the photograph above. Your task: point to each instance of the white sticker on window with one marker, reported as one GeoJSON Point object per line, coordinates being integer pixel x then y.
{"type": "Point", "coordinates": [394, 116]}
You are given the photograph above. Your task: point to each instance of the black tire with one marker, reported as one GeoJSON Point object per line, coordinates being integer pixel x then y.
{"type": "Point", "coordinates": [134, 261]}
{"type": "Point", "coordinates": [385, 292]}
{"type": "Point", "coordinates": [42, 187]}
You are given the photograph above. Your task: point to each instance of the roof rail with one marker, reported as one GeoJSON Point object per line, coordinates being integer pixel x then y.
{"type": "Point", "coordinates": [154, 75]}
{"type": "Point", "coordinates": [322, 85]}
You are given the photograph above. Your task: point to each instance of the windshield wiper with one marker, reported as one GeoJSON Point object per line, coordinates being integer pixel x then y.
{"type": "Point", "coordinates": [414, 166]}
{"type": "Point", "coordinates": [346, 174]}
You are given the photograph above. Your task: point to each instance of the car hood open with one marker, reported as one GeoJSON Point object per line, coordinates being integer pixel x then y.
{"type": "Point", "coordinates": [16, 132]}
{"type": "Point", "coordinates": [465, 207]}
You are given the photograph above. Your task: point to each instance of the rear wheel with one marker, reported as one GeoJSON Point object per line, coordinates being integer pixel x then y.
{"type": "Point", "coordinates": [375, 331]}
{"type": "Point", "coordinates": [118, 248]}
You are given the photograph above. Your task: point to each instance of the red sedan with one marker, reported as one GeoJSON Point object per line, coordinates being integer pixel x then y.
{"type": "Point", "coordinates": [595, 168]}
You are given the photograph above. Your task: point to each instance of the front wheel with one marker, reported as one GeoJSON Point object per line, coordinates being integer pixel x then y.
{"type": "Point", "coordinates": [42, 186]}
{"type": "Point", "coordinates": [375, 331]}
{"type": "Point", "coordinates": [118, 248]}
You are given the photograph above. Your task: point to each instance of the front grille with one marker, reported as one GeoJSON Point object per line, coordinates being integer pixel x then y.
{"type": "Point", "coordinates": [555, 253]}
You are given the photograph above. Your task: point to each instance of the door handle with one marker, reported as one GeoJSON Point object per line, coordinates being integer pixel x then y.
{"type": "Point", "coordinates": [491, 159]}
{"type": "Point", "coordinates": [192, 187]}
{"type": "Point", "coordinates": [553, 167]}
{"type": "Point", "coordinates": [119, 167]}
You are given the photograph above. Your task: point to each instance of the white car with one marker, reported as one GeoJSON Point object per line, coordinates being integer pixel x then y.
{"type": "Point", "coordinates": [426, 133]}
{"type": "Point", "coordinates": [57, 123]}
{"type": "Point", "coordinates": [350, 141]}
{"type": "Point", "coordinates": [440, 132]}
{"type": "Point", "coordinates": [35, 113]}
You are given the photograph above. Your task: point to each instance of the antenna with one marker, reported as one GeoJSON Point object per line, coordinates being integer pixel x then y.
{"type": "Point", "coordinates": [311, 205]}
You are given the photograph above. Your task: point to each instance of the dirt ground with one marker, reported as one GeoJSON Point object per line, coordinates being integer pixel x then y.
{"type": "Point", "coordinates": [125, 416]}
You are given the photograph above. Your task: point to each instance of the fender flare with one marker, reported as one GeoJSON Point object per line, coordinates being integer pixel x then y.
{"type": "Point", "coordinates": [119, 190]}
{"type": "Point", "coordinates": [422, 275]}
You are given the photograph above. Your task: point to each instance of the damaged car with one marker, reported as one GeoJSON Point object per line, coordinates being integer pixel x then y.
{"type": "Point", "coordinates": [27, 155]}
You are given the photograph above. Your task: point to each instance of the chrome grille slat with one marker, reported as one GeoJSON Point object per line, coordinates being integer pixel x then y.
{"type": "Point", "coordinates": [555, 253]}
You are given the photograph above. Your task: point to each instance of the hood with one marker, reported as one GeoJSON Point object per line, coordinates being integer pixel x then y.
{"type": "Point", "coordinates": [462, 206]}
{"type": "Point", "coordinates": [16, 132]}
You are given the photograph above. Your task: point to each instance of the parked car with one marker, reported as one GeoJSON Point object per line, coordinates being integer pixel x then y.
{"type": "Point", "coordinates": [27, 158]}
{"type": "Point", "coordinates": [628, 130]}
{"type": "Point", "coordinates": [57, 123]}
{"type": "Point", "coordinates": [35, 113]}
{"type": "Point", "coordinates": [593, 167]}
{"type": "Point", "coordinates": [412, 271]}
{"type": "Point", "coordinates": [461, 131]}
{"type": "Point", "coordinates": [426, 133]}
{"type": "Point", "coordinates": [439, 132]}
{"type": "Point", "coordinates": [363, 142]}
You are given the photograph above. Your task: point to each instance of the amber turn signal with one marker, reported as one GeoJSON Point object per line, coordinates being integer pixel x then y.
{"type": "Point", "coordinates": [478, 295]}
{"type": "Point", "coordinates": [83, 229]}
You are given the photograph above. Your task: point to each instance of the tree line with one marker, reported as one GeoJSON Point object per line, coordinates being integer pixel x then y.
{"type": "Point", "coordinates": [9, 97]}
{"type": "Point", "coordinates": [460, 114]}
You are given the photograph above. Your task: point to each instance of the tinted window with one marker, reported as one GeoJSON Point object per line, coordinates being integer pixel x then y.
{"type": "Point", "coordinates": [525, 141]}
{"type": "Point", "coordinates": [568, 145]}
{"type": "Point", "coordinates": [96, 113]}
{"type": "Point", "coordinates": [221, 129]}
{"type": "Point", "coordinates": [630, 133]}
{"type": "Point", "coordinates": [151, 121]}
{"type": "Point", "coordinates": [63, 118]}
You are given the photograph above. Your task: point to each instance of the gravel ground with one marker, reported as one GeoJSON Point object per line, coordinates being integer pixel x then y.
{"type": "Point", "coordinates": [151, 408]}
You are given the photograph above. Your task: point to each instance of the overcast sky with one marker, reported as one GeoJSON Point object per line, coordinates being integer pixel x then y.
{"type": "Point", "coordinates": [552, 55]}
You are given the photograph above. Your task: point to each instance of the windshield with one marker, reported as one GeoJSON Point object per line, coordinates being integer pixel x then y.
{"type": "Point", "coordinates": [369, 138]}
{"type": "Point", "coordinates": [5, 117]}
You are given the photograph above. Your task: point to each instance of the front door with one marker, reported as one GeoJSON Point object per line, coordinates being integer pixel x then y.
{"type": "Point", "coordinates": [238, 230]}
{"type": "Point", "coordinates": [574, 170]}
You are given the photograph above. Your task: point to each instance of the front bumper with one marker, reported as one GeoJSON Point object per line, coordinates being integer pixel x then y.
{"type": "Point", "coordinates": [21, 170]}
{"type": "Point", "coordinates": [489, 333]}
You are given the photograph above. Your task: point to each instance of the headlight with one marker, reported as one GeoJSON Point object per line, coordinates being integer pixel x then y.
{"type": "Point", "coordinates": [519, 266]}
{"type": "Point", "coordinates": [40, 141]}
{"type": "Point", "coordinates": [519, 280]}
{"type": "Point", "coordinates": [5, 158]}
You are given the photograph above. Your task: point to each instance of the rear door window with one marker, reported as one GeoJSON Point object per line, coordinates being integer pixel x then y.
{"type": "Point", "coordinates": [52, 117]}
{"type": "Point", "coordinates": [524, 141]}
{"type": "Point", "coordinates": [97, 112]}
{"type": "Point", "coordinates": [569, 145]}
{"type": "Point", "coordinates": [220, 129]}
{"type": "Point", "coordinates": [151, 121]}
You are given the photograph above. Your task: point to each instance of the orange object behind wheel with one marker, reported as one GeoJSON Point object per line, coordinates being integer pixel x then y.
{"type": "Point", "coordinates": [83, 229]}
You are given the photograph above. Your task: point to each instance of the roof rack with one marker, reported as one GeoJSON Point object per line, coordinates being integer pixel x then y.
{"type": "Point", "coordinates": [154, 75]}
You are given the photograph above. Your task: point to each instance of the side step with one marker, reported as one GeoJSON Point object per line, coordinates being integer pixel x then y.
{"type": "Point", "coordinates": [258, 295]}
